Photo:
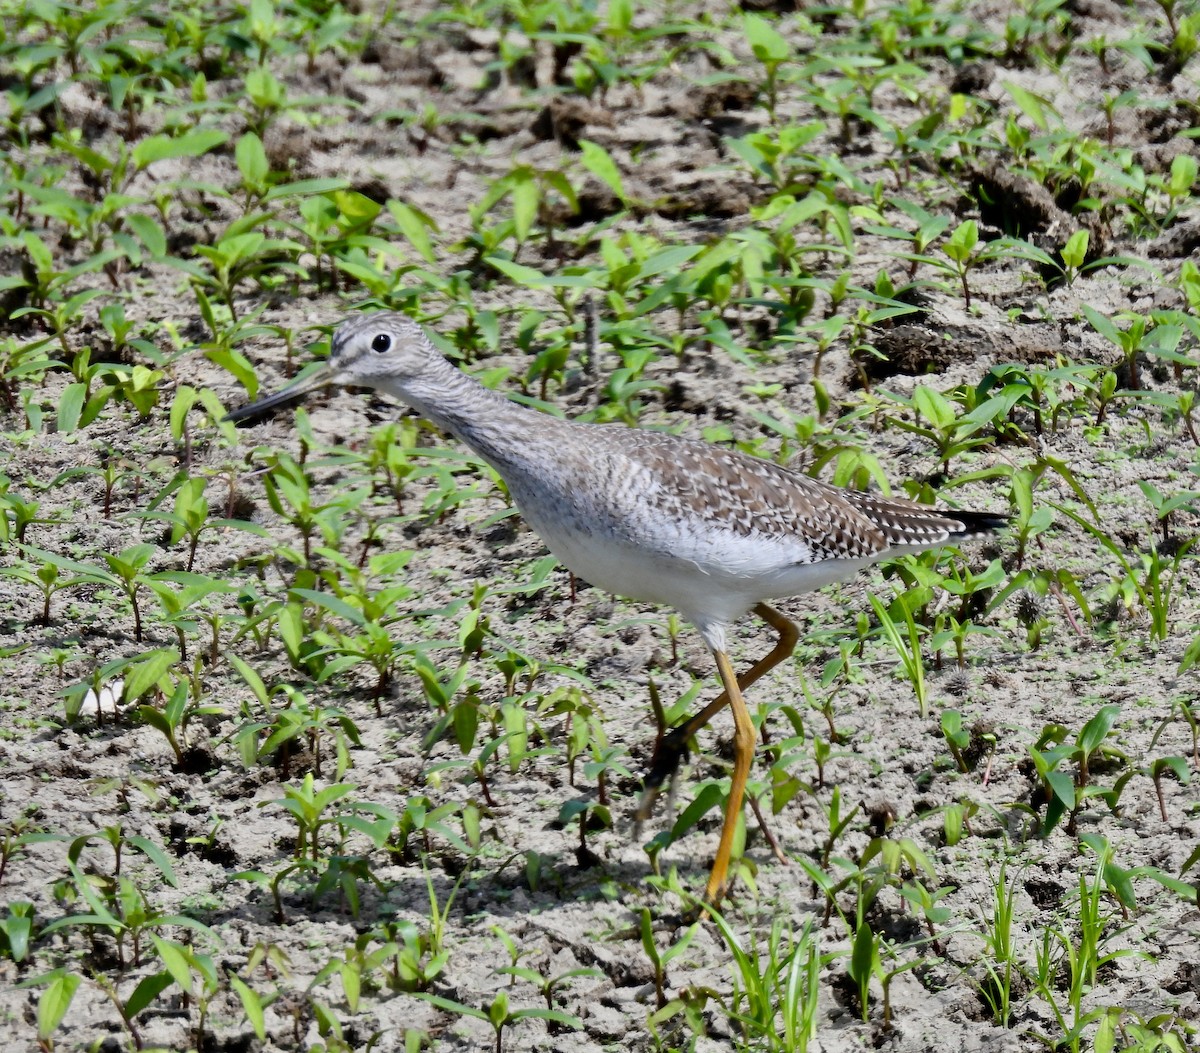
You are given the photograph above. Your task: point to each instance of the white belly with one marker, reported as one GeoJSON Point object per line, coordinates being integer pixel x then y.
{"type": "Point", "coordinates": [709, 578]}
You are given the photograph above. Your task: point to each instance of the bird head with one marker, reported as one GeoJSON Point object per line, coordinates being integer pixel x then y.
{"type": "Point", "coordinates": [383, 350]}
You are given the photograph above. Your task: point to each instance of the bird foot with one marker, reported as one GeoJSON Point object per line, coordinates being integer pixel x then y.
{"type": "Point", "coordinates": [668, 754]}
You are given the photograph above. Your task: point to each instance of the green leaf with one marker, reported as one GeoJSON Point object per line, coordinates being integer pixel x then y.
{"type": "Point", "coordinates": [766, 42]}
{"type": "Point", "coordinates": [1062, 798]}
{"type": "Point", "coordinates": [190, 144]}
{"type": "Point", "coordinates": [498, 1010]}
{"type": "Point", "coordinates": [156, 856]}
{"type": "Point", "coordinates": [668, 260]}
{"type": "Point", "coordinates": [351, 986]}
{"type": "Point", "coordinates": [962, 242]}
{"type": "Point", "coordinates": [863, 953]}
{"type": "Point", "coordinates": [148, 671]}
{"type": "Point", "coordinates": [306, 188]}
{"type": "Point", "coordinates": [291, 628]}
{"type": "Point", "coordinates": [252, 160]}
{"type": "Point", "coordinates": [1096, 730]}
{"type": "Point", "coordinates": [1074, 252]}
{"type": "Point", "coordinates": [253, 680]}
{"type": "Point", "coordinates": [599, 162]}
{"type": "Point", "coordinates": [251, 1004]}
{"type": "Point", "coordinates": [70, 406]}
{"type": "Point", "coordinates": [17, 928]}
{"type": "Point", "coordinates": [525, 196]}
{"type": "Point", "coordinates": [557, 1016]}
{"type": "Point", "coordinates": [1033, 106]}
{"type": "Point", "coordinates": [535, 279]}
{"type": "Point", "coordinates": [451, 1006]}
{"type": "Point", "coordinates": [149, 989]}
{"type": "Point", "coordinates": [332, 604]}
{"type": "Point", "coordinates": [148, 232]}
{"type": "Point", "coordinates": [1102, 325]}
{"type": "Point", "coordinates": [466, 724]}
{"type": "Point", "coordinates": [55, 1002]}
{"type": "Point", "coordinates": [1191, 656]}
{"type": "Point", "coordinates": [415, 226]}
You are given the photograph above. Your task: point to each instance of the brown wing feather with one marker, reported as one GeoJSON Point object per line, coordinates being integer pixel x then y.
{"type": "Point", "coordinates": [750, 495]}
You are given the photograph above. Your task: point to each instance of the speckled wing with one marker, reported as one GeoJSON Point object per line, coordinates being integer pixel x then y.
{"type": "Point", "coordinates": [752, 497]}
{"type": "Point", "coordinates": [755, 497]}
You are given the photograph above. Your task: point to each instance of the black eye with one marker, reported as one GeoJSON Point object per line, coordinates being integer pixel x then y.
{"type": "Point", "coordinates": [381, 343]}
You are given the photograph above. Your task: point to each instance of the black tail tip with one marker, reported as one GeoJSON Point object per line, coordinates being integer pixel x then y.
{"type": "Point", "coordinates": [975, 523]}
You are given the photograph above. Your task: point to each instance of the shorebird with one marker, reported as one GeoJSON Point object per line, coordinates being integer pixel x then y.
{"type": "Point", "coordinates": [712, 532]}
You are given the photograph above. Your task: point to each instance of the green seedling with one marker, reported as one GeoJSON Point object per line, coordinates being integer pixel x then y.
{"type": "Point", "coordinates": [1001, 962]}
{"type": "Point", "coordinates": [961, 254]}
{"type": "Point", "coordinates": [16, 931]}
{"type": "Point", "coordinates": [499, 1014]}
{"type": "Point", "coordinates": [1159, 769]}
{"type": "Point", "coordinates": [18, 515]}
{"type": "Point", "coordinates": [1064, 795]}
{"type": "Point", "coordinates": [546, 985]}
{"type": "Point", "coordinates": [16, 836]}
{"type": "Point", "coordinates": [936, 421]}
{"type": "Point", "coordinates": [774, 1005]}
{"type": "Point", "coordinates": [298, 719]}
{"type": "Point", "coordinates": [1141, 338]}
{"type": "Point", "coordinates": [1080, 957]}
{"type": "Point", "coordinates": [1166, 506]}
{"type": "Point", "coordinates": [771, 50]}
{"type": "Point", "coordinates": [865, 964]}
{"type": "Point", "coordinates": [48, 579]}
{"type": "Point", "coordinates": [125, 573]}
{"type": "Point", "coordinates": [907, 650]}
{"type": "Point", "coordinates": [311, 809]}
{"type": "Point", "coordinates": [112, 472]}
{"type": "Point", "coordinates": [172, 720]}
{"type": "Point", "coordinates": [660, 960]}
{"type": "Point", "coordinates": [958, 738]}
{"type": "Point", "coordinates": [178, 595]}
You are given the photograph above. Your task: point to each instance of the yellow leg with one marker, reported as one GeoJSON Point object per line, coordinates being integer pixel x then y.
{"type": "Point", "coordinates": [784, 646]}
{"type": "Point", "coordinates": [743, 755]}
{"type": "Point", "coordinates": [673, 746]}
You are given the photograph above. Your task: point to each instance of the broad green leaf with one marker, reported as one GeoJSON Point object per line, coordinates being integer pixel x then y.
{"type": "Point", "coordinates": [156, 856]}
{"type": "Point", "coordinates": [535, 279]}
{"type": "Point", "coordinates": [148, 232]}
{"type": "Point", "coordinates": [332, 604]}
{"type": "Point", "coordinates": [148, 671]}
{"type": "Point", "coordinates": [599, 162]}
{"type": "Point", "coordinates": [525, 197]}
{"type": "Point", "coordinates": [766, 42]}
{"type": "Point", "coordinates": [251, 1005]}
{"type": "Point", "coordinates": [415, 226]}
{"type": "Point", "coordinates": [306, 188]}
{"type": "Point", "coordinates": [70, 406]}
{"type": "Point", "coordinates": [190, 144]}
{"type": "Point", "coordinates": [1034, 107]}
{"type": "Point", "coordinates": [54, 1003]}
{"type": "Point", "coordinates": [252, 160]}
{"type": "Point", "coordinates": [1096, 730]}
{"type": "Point", "coordinates": [147, 991]}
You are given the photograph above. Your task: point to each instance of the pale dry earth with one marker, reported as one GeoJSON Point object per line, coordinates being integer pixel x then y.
{"type": "Point", "coordinates": [890, 759]}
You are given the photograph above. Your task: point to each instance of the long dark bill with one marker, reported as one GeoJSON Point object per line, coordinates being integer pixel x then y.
{"type": "Point", "coordinates": [298, 388]}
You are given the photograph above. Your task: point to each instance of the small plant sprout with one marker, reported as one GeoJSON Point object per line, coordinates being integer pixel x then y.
{"type": "Point", "coordinates": [499, 1014]}
{"type": "Point", "coordinates": [907, 647]}
{"type": "Point", "coordinates": [1159, 769]}
{"type": "Point", "coordinates": [660, 960]}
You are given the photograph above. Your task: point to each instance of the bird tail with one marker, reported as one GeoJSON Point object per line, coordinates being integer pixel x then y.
{"type": "Point", "coordinates": [976, 524]}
